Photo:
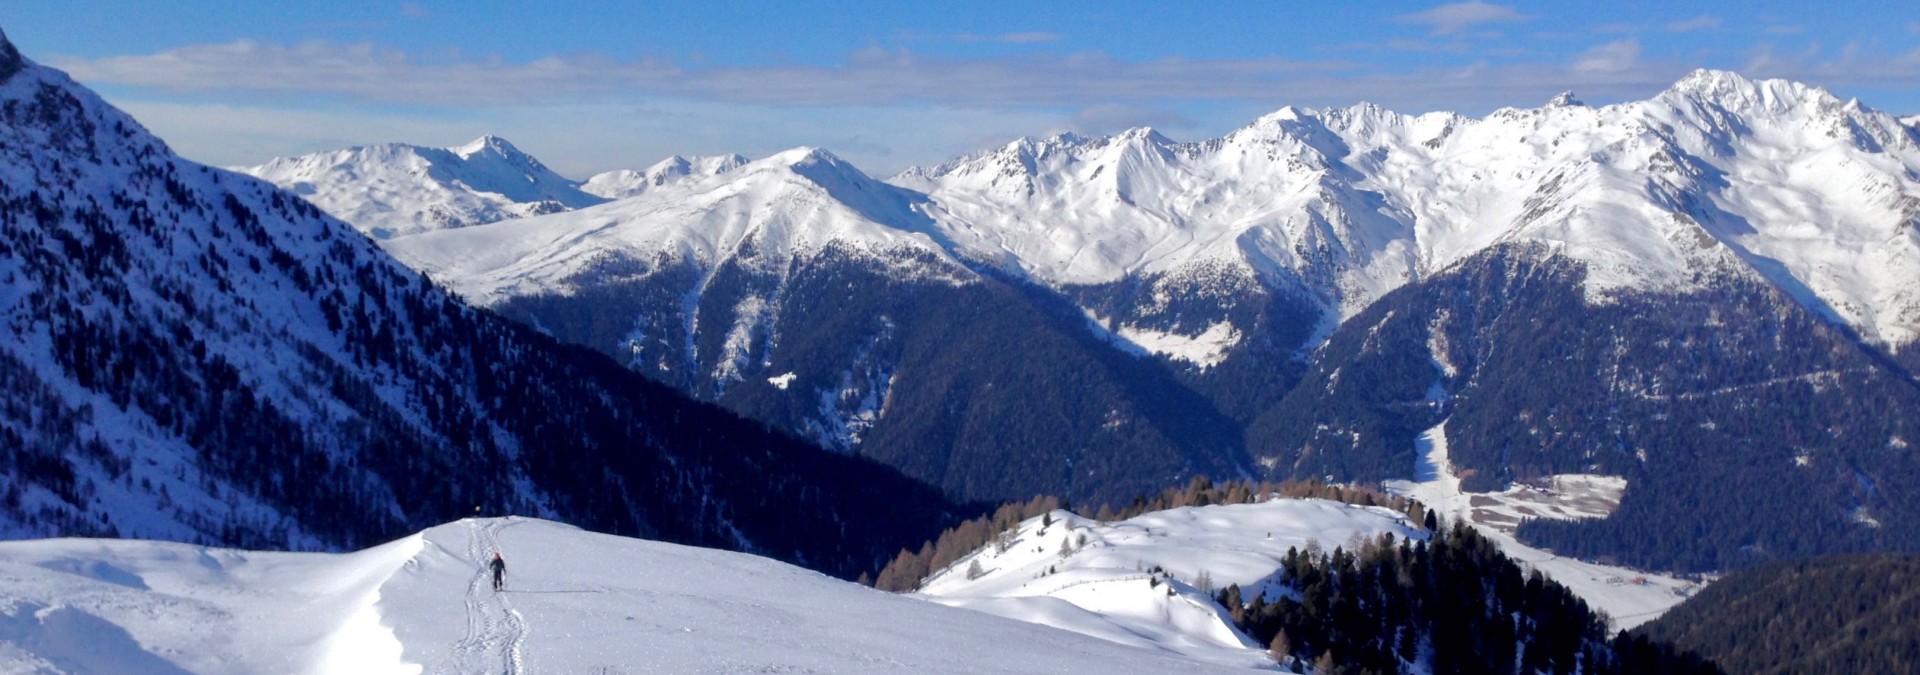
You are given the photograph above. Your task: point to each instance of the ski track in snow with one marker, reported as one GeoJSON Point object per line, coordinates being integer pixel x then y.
{"type": "Point", "coordinates": [495, 630]}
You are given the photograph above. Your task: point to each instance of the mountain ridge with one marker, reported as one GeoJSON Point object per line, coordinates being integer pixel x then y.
{"type": "Point", "coordinates": [186, 345]}
{"type": "Point", "coordinates": [1324, 285]}
{"type": "Point", "coordinates": [395, 189]}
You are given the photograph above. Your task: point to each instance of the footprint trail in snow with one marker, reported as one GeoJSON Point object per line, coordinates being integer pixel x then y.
{"type": "Point", "coordinates": [496, 632]}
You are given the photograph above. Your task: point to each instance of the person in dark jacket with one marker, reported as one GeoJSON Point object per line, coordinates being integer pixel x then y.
{"type": "Point", "coordinates": [499, 572]}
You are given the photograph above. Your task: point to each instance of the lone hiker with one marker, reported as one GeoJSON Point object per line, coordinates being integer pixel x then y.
{"type": "Point", "coordinates": [499, 572]}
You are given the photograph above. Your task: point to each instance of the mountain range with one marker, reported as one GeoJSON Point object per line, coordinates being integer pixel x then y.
{"type": "Point", "coordinates": [196, 355]}
{"type": "Point", "coordinates": [1096, 317]}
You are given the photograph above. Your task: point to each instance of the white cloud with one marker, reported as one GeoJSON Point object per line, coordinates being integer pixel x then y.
{"type": "Point", "coordinates": [1614, 57]}
{"type": "Point", "coordinates": [1697, 23]}
{"type": "Point", "coordinates": [1452, 18]}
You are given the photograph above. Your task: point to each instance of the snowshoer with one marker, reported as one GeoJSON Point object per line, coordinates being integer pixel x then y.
{"type": "Point", "coordinates": [499, 572]}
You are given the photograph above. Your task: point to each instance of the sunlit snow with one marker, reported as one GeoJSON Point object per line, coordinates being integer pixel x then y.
{"type": "Point", "coordinates": [576, 602]}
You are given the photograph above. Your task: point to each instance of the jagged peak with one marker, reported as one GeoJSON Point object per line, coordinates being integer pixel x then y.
{"type": "Point", "coordinates": [10, 60]}
{"type": "Point", "coordinates": [1565, 99]}
{"type": "Point", "coordinates": [1145, 134]}
{"type": "Point", "coordinates": [487, 143]}
{"type": "Point", "coordinates": [1731, 89]}
{"type": "Point", "coordinates": [1067, 138]}
{"type": "Point", "coordinates": [1283, 116]}
{"type": "Point", "coordinates": [803, 155]}
{"type": "Point", "coordinates": [674, 163]}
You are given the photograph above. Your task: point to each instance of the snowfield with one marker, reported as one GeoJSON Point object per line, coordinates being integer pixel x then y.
{"type": "Point", "coordinates": [576, 602]}
{"type": "Point", "coordinates": [1098, 578]}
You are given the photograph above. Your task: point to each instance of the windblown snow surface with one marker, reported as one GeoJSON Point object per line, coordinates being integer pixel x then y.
{"type": "Point", "coordinates": [1095, 578]}
{"type": "Point", "coordinates": [576, 602]}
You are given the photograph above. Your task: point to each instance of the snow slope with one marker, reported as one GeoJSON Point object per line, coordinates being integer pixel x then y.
{"type": "Point", "coordinates": [624, 183]}
{"type": "Point", "coordinates": [1628, 597]}
{"type": "Point", "coordinates": [395, 189]}
{"type": "Point", "coordinates": [1717, 175]}
{"type": "Point", "coordinates": [576, 602]}
{"type": "Point", "coordinates": [765, 213]}
{"type": "Point", "coordinates": [1104, 587]}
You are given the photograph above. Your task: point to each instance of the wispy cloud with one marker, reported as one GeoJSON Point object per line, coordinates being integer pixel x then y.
{"type": "Point", "coordinates": [413, 10]}
{"type": "Point", "coordinates": [1022, 38]}
{"type": "Point", "coordinates": [1447, 19]}
{"type": "Point", "coordinates": [1618, 56]}
{"type": "Point", "coordinates": [1786, 30]}
{"type": "Point", "coordinates": [872, 76]}
{"type": "Point", "coordinates": [1693, 24]}
{"type": "Point", "coordinates": [1106, 89]}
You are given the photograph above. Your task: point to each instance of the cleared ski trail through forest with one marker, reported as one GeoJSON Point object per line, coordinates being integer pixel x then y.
{"type": "Point", "coordinates": [496, 632]}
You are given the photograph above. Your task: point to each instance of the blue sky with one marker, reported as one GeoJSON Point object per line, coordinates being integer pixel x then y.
{"type": "Point", "coordinates": [590, 86]}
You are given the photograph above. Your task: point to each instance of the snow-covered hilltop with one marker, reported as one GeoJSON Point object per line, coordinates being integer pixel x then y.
{"type": "Point", "coordinates": [1137, 582]}
{"type": "Point", "coordinates": [394, 189]}
{"type": "Point", "coordinates": [576, 602]}
{"type": "Point", "coordinates": [1717, 175]}
{"type": "Point", "coordinates": [624, 183]}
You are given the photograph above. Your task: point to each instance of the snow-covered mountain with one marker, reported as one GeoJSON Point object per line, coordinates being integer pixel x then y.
{"type": "Point", "coordinates": [196, 355]}
{"type": "Point", "coordinates": [1717, 175]}
{"type": "Point", "coordinates": [1315, 290]}
{"type": "Point", "coordinates": [394, 189]}
{"type": "Point", "coordinates": [765, 214]}
{"type": "Point", "coordinates": [624, 183]}
{"type": "Point", "coordinates": [575, 602]}
{"type": "Point", "coordinates": [798, 290]}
